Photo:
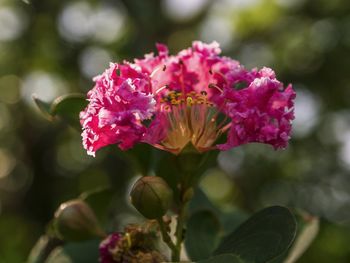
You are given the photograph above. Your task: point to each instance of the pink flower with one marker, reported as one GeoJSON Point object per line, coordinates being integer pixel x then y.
{"type": "Point", "coordinates": [192, 98]}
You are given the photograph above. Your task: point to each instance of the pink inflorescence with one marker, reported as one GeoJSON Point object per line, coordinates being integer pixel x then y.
{"type": "Point", "coordinates": [192, 98]}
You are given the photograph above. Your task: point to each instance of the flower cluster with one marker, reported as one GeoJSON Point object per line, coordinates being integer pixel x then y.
{"type": "Point", "coordinates": [191, 98]}
{"type": "Point", "coordinates": [136, 244]}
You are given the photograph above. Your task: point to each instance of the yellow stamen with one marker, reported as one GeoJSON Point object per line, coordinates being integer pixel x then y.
{"type": "Point", "coordinates": [191, 119]}
{"type": "Point", "coordinates": [189, 101]}
{"type": "Point", "coordinates": [128, 240]}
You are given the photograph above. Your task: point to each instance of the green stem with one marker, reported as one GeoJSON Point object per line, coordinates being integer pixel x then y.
{"type": "Point", "coordinates": [179, 232]}
{"type": "Point", "coordinates": [43, 248]}
{"type": "Point", "coordinates": [166, 238]}
{"type": "Point", "coordinates": [186, 196]}
{"type": "Point", "coordinates": [174, 247]}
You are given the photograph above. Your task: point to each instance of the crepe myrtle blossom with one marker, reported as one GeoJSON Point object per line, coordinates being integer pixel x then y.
{"type": "Point", "coordinates": [192, 98]}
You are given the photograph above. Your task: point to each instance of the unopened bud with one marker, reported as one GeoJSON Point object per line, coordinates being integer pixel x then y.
{"type": "Point", "coordinates": [75, 221]}
{"type": "Point", "coordinates": [151, 196]}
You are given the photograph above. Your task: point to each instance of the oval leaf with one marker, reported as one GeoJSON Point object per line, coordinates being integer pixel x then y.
{"type": "Point", "coordinates": [140, 158]}
{"type": "Point", "coordinates": [202, 235]}
{"type": "Point", "coordinates": [263, 237]}
{"type": "Point", "coordinates": [229, 220]}
{"type": "Point", "coordinates": [41, 250]}
{"type": "Point", "coordinates": [44, 107]}
{"type": "Point", "coordinates": [68, 108]}
{"type": "Point", "coordinates": [82, 252]}
{"type": "Point", "coordinates": [200, 201]}
{"type": "Point", "coordinates": [306, 236]}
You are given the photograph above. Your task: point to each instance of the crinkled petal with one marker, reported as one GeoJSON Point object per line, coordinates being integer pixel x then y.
{"type": "Point", "coordinates": [117, 107]}
{"type": "Point", "coordinates": [262, 113]}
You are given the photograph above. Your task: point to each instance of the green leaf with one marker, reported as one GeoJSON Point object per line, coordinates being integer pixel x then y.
{"type": "Point", "coordinates": [44, 107]}
{"type": "Point", "coordinates": [43, 248]}
{"type": "Point", "coordinates": [167, 168]}
{"type": "Point", "coordinates": [82, 252]}
{"type": "Point", "coordinates": [308, 227]}
{"type": "Point", "coordinates": [58, 256]}
{"type": "Point", "coordinates": [192, 165]}
{"type": "Point", "coordinates": [308, 231]}
{"type": "Point", "coordinates": [140, 158]}
{"type": "Point", "coordinates": [263, 237]}
{"type": "Point", "coordinates": [99, 201]}
{"type": "Point", "coordinates": [68, 108]}
{"type": "Point", "coordinates": [185, 168]}
{"type": "Point", "coordinates": [229, 220]}
{"type": "Point", "coordinates": [202, 235]}
{"type": "Point", "coordinates": [200, 201]}
{"type": "Point", "coordinates": [225, 258]}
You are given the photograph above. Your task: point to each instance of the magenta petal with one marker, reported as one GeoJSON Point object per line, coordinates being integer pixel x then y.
{"type": "Point", "coordinates": [115, 112]}
{"type": "Point", "coordinates": [106, 246]}
{"type": "Point", "coordinates": [262, 112]}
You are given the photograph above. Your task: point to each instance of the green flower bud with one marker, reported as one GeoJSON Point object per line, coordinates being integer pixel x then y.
{"type": "Point", "coordinates": [75, 221]}
{"type": "Point", "coordinates": [151, 196]}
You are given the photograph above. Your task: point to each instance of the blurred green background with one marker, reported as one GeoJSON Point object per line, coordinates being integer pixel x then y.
{"type": "Point", "coordinates": [55, 47]}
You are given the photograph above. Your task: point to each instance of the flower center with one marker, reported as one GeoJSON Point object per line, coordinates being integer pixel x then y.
{"type": "Point", "coordinates": [190, 118]}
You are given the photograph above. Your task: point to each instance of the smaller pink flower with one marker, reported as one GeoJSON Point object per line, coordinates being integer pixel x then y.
{"type": "Point", "coordinates": [107, 247]}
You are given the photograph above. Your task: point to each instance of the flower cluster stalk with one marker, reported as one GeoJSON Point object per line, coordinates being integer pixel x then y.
{"type": "Point", "coordinates": [166, 238]}
{"type": "Point", "coordinates": [179, 231]}
{"type": "Point", "coordinates": [176, 246]}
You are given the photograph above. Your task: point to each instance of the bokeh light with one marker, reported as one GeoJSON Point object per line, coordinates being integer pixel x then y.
{"type": "Point", "coordinates": [48, 85]}
{"type": "Point", "coordinates": [307, 112]}
{"type": "Point", "coordinates": [10, 89]}
{"type": "Point", "coordinates": [183, 9]}
{"type": "Point", "coordinates": [216, 28]}
{"type": "Point", "coordinates": [12, 23]}
{"type": "Point", "coordinates": [80, 21]}
{"type": "Point", "coordinates": [256, 55]}
{"type": "Point", "coordinates": [7, 163]}
{"type": "Point", "coordinates": [93, 60]}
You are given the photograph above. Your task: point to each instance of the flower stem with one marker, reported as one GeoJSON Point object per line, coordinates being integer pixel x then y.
{"type": "Point", "coordinates": [179, 231]}
{"type": "Point", "coordinates": [174, 247]}
{"type": "Point", "coordinates": [186, 196]}
{"type": "Point", "coordinates": [166, 238]}
{"type": "Point", "coordinates": [43, 248]}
